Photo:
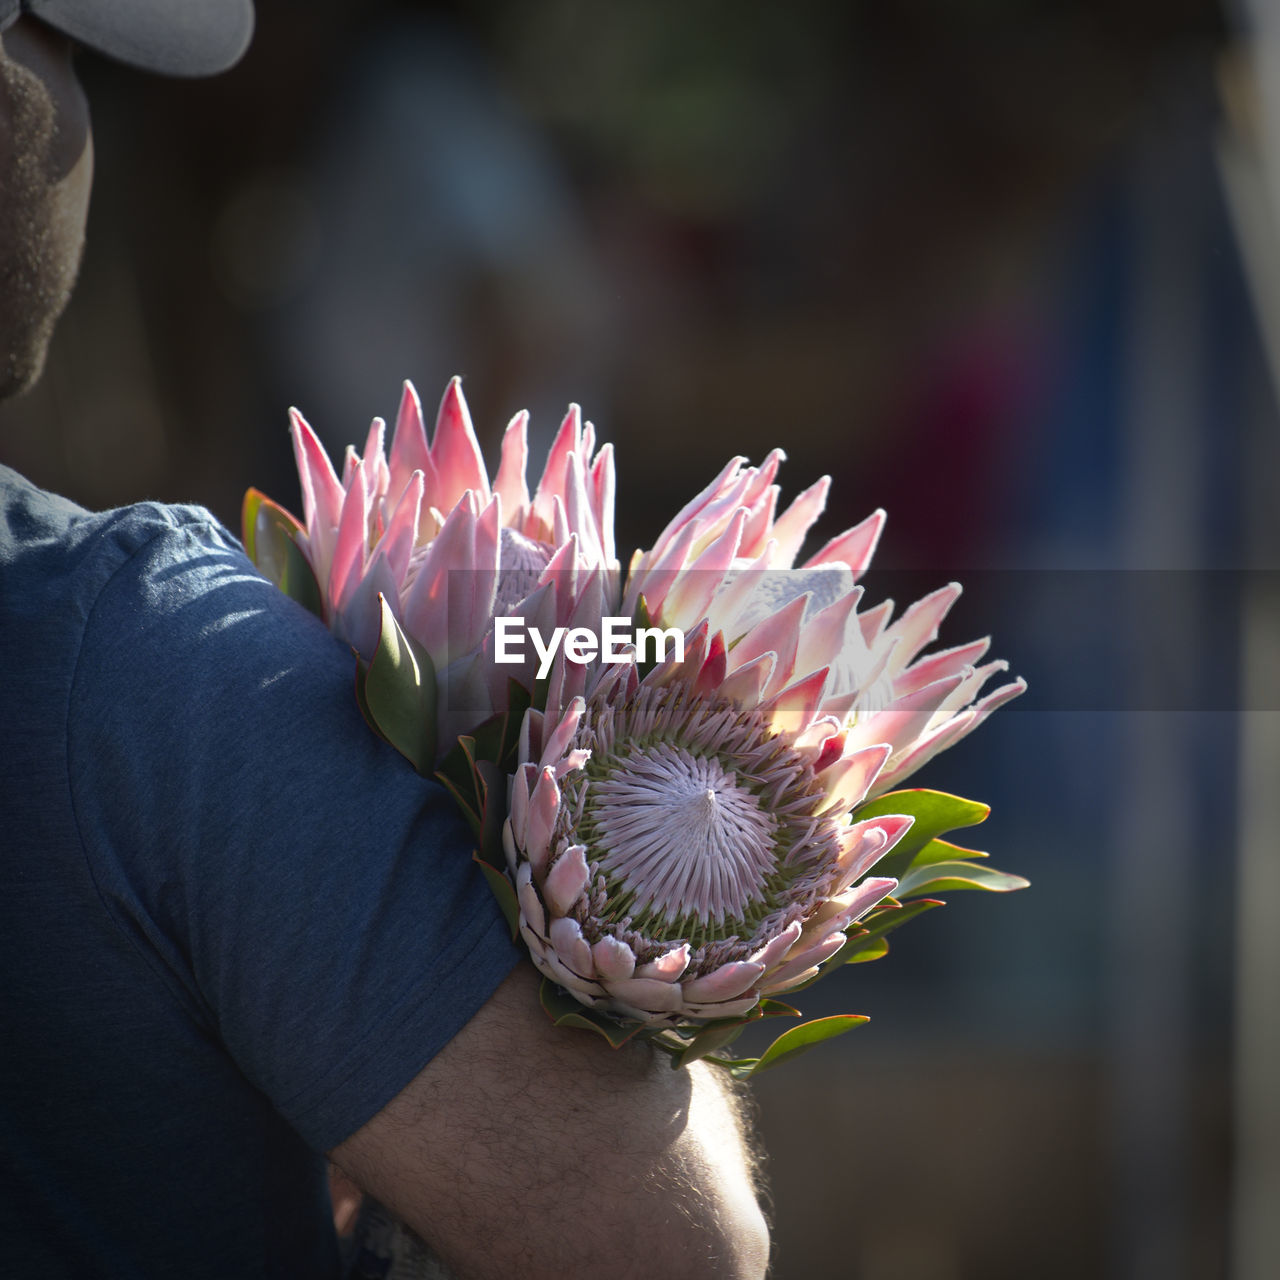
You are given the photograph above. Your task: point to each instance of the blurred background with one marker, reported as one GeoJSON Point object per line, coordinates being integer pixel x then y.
{"type": "Point", "coordinates": [1007, 268]}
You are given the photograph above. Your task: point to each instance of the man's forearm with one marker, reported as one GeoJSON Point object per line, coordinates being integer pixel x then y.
{"type": "Point", "coordinates": [525, 1149]}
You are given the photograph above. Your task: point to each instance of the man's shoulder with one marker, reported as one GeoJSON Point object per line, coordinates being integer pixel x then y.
{"type": "Point", "coordinates": [37, 522]}
{"type": "Point", "coordinates": [51, 546]}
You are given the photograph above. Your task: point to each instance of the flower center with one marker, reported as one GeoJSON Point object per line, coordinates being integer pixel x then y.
{"type": "Point", "coordinates": [521, 561]}
{"type": "Point", "coordinates": [681, 837]}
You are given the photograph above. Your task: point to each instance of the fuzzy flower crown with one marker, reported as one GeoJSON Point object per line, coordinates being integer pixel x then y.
{"type": "Point", "coordinates": [680, 778]}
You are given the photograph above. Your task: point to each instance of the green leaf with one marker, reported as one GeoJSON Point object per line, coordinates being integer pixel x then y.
{"type": "Point", "coordinates": [935, 812]}
{"type": "Point", "coordinates": [715, 1035]}
{"type": "Point", "coordinates": [947, 877]}
{"type": "Point", "coordinates": [798, 1040]}
{"type": "Point", "coordinates": [942, 851]}
{"type": "Point", "coordinates": [363, 703]}
{"type": "Point", "coordinates": [270, 539]}
{"type": "Point", "coordinates": [565, 1011]}
{"type": "Point", "coordinates": [503, 891]}
{"type": "Point", "coordinates": [494, 815]}
{"type": "Point", "coordinates": [872, 949]}
{"type": "Point", "coordinates": [519, 700]}
{"type": "Point", "coordinates": [400, 693]}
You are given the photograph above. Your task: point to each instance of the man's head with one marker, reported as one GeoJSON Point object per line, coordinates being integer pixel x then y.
{"type": "Point", "coordinates": [46, 148]}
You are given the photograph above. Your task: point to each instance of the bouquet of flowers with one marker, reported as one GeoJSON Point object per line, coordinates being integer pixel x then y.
{"type": "Point", "coordinates": [681, 779]}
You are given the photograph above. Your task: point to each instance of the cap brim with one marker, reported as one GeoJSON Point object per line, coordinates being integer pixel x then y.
{"type": "Point", "coordinates": [173, 37]}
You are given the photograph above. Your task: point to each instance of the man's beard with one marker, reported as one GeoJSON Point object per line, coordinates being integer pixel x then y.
{"type": "Point", "coordinates": [37, 264]}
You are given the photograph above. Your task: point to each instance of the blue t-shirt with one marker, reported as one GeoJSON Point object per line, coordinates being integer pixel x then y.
{"type": "Point", "coordinates": [233, 923]}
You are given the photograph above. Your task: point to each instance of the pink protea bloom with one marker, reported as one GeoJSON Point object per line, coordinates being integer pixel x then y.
{"type": "Point", "coordinates": [681, 845]}
{"type": "Point", "coordinates": [727, 558]}
{"type": "Point", "coordinates": [424, 527]}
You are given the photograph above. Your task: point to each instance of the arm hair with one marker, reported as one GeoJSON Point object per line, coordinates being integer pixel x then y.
{"type": "Point", "coordinates": [526, 1149]}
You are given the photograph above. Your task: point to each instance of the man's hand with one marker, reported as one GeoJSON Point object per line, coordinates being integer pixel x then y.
{"type": "Point", "coordinates": [526, 1149]}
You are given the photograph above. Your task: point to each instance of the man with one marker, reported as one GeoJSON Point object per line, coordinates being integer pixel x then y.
{"type": "Point", "coordinates": [236, 932]}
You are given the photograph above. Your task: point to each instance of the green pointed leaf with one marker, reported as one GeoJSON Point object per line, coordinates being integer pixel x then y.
{"type": "Point", "coordinates": [935, 812]}
{"type": "Point", "coordinates": [565, 1011]}
{"type": "Point", "coordinates": [400, 693]}
{"type": "Point", "coordinates": [942, 851]}
{"type": "Point", "coordinates": [494, 814]}
{"type": "Point", "coordinates": [873, 949]}
{"type": "Point", "coordinates": [504, 893]}
{"type": "Point", "coordinates": [270, 539]}
{"type": "Point", "coordinates": [948, 877]}
{"type": "Point", "coordinates": [519, 700]}
{"type": "Point", "coordinates": [798, 1040]}
{"type": "Point", "coordinates": [363, 703]}
{"type": "Point", "coordinates": [715, 1035]}
{"type": "Point", "coordinates": [770, 1008]}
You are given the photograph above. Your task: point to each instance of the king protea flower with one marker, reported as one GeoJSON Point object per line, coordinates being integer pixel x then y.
{"type": "Point", "coordinates": [681, 845]}
{"type": "Point", "coordinates": [425, 529]}
{"type": "Point", "coordinates": [727, 558]}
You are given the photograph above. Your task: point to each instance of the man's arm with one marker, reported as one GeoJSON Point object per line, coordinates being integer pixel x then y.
{"type": "Point", "coordinates": [526, 1149]}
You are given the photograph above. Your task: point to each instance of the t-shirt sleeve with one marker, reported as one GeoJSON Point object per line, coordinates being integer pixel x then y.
{"type": "Point", "coordinates": [309, 898]}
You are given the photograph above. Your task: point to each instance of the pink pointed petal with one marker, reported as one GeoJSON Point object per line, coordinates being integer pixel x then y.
{"type": "Point", "coordinates": [800, 965]}
{"type": "Point", "coordinates": [759, 524]}
{"type": "Point", "coordinates": [603, 488]}
{"type": "Point", "coordinates": [655, 580]}
{"type": "Point", "coordinates": [919, 625]}
{"type": "Point", "coordinates": [779, 633]}
{"type": "Point", "coordinates": [945, 735]}
{"type": "Point", "coordinates": [668, 967]}
{"type": "Point", "coordinates": [455, 451]}
{"type": "Point", "coordinates": [530, 904]}
{"type": "Point", "coordinates": [714, 667]}
{"type": "Point", "coordinates": [521, 784]}
{"type": "Point", "coordinates": [397, 543]}
{"type": "Point", "coordinates": [511, 484]}
{"type": "Point", "coordinates": [794, 523]}
{"type": "Point", "coordinates": [854, 547]}
{"type": "Point", "coordinates": [562, 735]}
{"type": "Point", "coordinates": [613, 959]}
{"type": "Point", "coordinates": [409, 452]}
{"type": "Point", "coordinates": [322, 495]}
{"type": "Point", "coordinates": [580, 512]}
{"type": "Point", "coordinates": [693, 590]}
{"type": "Point", "coordinates": [473, 591]}
{"type": "Point", "coordinates": [865, 843]}
{"type": "Point", "coordinates": [906, 719]}
{"type": "Point", "coordinates": [551, 483]}
{"type": "Point", "coordinates": [550, 964]}
{"type": "Point", "coordinates": [571, 947]}
{"type": "Point", "coordinates": [428, 605]}
{"type": "Point", "coordinates": [647, 995]}
{"type": "Point", "coordinates": [938, 665]}
{"type": "Point", "coordinates": [566, 880]}
{"type": "Point", "coordinates": [824, 637]}
{"type": "Point", "coordinates": [874, 620]}
{"type": "Point", "coordinates": [349, 548]}
{"type": "Point", "coordinates": [745, 686]}
{"type": "Point", "coordinates": [848, 780]}
{"type": "Point", "coordinates": [544, 804]}
{"type": "Point", "coordinates": [780, 988]}
{"type": "Point", "coordinates": [725, 983]}
{"type": "Point", "coordinates": [375, 457]}
{"type": "Point", "coordinates": [873, 890]}
{"type": "Point", "coordinates": [795, 706]}
{"type": "Point", "coordinates": [571, 763]}
{"type": "Point", "coordinates": [692, 509]}
{"type": "Point", "coordinates": [724, 1009]}
{"type": "Point", "coordinates": [778, 946]}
